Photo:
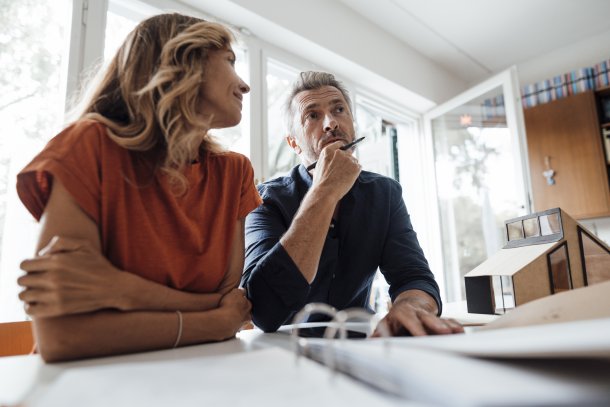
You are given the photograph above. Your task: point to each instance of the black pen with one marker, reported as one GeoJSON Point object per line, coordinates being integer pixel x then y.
{"type": "Point", "coordinates": [345, 147]}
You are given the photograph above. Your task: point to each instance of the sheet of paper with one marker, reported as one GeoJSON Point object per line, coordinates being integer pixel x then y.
{"type": "Point", "coordinates": [592, 302]}
{"type": "Point", "coordinates": [269, 377]}
{"type": "Point", "coordinates": [449, 379]}
{"type": "Point", "coordinates": [578, 339]}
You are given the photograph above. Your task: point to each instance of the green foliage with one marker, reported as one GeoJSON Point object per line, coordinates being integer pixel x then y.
{"type": "Point", "coordinates": [30, 59]}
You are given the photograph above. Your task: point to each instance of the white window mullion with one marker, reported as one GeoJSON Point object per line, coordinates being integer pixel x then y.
{"type": "Point", "coordinates": [86, 41]}
{"type": "Point", "coordinates": [258, 111]}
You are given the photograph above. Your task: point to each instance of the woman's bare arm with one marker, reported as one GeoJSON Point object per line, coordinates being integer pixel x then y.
{"type": "Point", "coordinates": [96, 332]}
{"type": "Point", "coordinates": [106, 333]}
{"type": "Point", "coordinates": [71, 259]}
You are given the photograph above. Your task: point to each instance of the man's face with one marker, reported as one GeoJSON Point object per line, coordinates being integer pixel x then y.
{"type": "Point", "coordinates": [320, 117]}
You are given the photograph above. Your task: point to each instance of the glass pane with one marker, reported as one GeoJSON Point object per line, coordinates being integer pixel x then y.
{"type": "Point", "coordinates": [377, 153]}
{"type": "Point", "coordinates": [504, 298]}
{"type": "Point", "coordinates": [32, 104]}
{"type": "Point", "coordinates": [515, 230]}
{"type": "Point", "coordinates": [530, 227]}
{"type": "Point", "coordinates": [560, 270]}
{"type": "Point", "coordinates": [117, 28]}
{"type": "Point", "coordinates": [508, 293]}
{"type": "Point", "coordinates": [596, 260]}
{"type": "Point", "coordinates": [478, 184]}
{"type": "Point", "coordinates": [280, 158]}
{"type": "Point", "coordinates": [549, 224]}
{"type": "Point", "coordinates": [497, 294]}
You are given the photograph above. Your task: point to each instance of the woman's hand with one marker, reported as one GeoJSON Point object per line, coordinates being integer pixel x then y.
{"type": "Point", "coordinates": [69, 276]}
{"type": "Point", "coordinates": [237, 308]}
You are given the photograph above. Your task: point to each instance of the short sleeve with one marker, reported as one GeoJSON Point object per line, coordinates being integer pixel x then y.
{"type": "Point", "coordinates": [250, 198]}
{"type": "Point", "coordinates": [73, 158]}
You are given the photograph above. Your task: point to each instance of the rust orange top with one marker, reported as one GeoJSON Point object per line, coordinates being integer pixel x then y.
{"type": "Point", "coordinates": [145, 228]}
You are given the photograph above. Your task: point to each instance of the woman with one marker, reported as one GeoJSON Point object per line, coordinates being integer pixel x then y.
{"type": "Point", "coordinates": [142, 213]}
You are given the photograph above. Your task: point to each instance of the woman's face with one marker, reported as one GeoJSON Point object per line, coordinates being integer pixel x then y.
{"type": "Point", "coordinates": [223, 89]}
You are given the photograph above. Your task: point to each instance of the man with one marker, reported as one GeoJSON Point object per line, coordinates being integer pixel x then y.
{"type": "Point", "coordinates": [320, 235]}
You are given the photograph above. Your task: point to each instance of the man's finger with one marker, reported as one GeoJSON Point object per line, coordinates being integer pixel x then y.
{"type": "Point", "coordinates": [411, 323]}
{"type": "Point", "coordinates": [455, 326]}
{"type": "Point", "coordinates": [435, 325]}
{"type": "Point", "coordinates": [382, 330]}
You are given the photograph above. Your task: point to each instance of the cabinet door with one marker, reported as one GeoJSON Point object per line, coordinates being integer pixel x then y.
{"type": "Point", "coordinates": [564, 135]}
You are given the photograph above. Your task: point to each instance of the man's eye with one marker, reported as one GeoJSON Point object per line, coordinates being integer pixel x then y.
{"type": "Point", "coordinates": [312, 115]}
{"type": "Point", "coordinates": [232, 61]}
{"type": "Point", "coordinates": [340, 109]}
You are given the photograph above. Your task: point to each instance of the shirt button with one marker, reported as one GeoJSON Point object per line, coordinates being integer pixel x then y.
{"type": "Point", "coordinates": [333, 275]}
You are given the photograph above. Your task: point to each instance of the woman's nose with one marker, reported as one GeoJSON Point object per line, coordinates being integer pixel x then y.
{"type": "Point", "coordinates": [243, 87]}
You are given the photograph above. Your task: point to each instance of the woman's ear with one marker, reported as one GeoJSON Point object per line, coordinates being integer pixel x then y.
{"type": "Point", "coordinates": [292, 142]}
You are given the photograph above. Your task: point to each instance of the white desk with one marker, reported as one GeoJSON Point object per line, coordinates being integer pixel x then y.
{"type": "Point", "coordinates": [255, 369]}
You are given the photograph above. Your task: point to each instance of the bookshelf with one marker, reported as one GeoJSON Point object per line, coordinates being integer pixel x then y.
{"type": "Point", "coordinates": [566, 135]}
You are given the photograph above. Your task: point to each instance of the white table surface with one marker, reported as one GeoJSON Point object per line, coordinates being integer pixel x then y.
{"type": "Point", "coordinates": [437, 378]}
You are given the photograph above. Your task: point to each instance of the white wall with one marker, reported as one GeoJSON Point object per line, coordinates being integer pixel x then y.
{"type": "Point", "coordinates": [332, 35]}
{"type": "Point", "coordinates": [579, 55]}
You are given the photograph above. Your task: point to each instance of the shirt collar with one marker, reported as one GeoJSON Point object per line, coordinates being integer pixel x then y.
{"type": "Point", "coordinates": [304, 175]}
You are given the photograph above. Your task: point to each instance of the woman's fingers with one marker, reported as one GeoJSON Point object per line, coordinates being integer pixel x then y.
{"type": "Point", "coordinates": [33, 280]}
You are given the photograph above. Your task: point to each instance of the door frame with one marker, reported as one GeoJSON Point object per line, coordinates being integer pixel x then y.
{"type": "Point", "coordinates": [509, 82]}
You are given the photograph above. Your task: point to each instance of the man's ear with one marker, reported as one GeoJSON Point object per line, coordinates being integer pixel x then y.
{"type": "Point", "coordinates": [292, 142]}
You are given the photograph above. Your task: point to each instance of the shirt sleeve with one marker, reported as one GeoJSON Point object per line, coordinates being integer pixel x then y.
{"type": "Point", "coordinates": [403, 262]}
{"type": "Point", "coordinates": [249, 198]}
{"type": "Point", "coordinates": [72, 157]}
{"type": "Point", "coordinates": [274, 284]}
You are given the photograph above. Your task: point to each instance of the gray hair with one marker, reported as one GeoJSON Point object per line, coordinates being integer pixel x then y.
{"type": "Point", "coordinates": [311, 80]}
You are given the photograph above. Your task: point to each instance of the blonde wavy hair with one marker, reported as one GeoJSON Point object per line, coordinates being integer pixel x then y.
{"type": "Point", "coordinates": [150, 94]}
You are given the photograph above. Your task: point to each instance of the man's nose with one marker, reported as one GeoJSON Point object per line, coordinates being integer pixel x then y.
{"type": "Point", "coordinates": [329, 123]}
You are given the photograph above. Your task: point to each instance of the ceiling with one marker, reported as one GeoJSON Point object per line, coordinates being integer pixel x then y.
{"type": "Point", "coordinates": [475, 38]}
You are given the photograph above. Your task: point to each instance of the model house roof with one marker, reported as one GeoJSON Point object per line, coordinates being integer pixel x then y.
{"type": "Point", "coordinates": [507, 262]}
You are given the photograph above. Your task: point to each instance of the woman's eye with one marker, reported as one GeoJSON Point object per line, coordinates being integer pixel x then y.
{"type": "Point", "coordinates": [232, 61]}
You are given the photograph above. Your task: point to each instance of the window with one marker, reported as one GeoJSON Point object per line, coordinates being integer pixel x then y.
{"type": "Point", "coordinates": [117, 28]}
{"type": "Point", "coordinates": [238, 138]}
{"type": "Point", "coordinates": [595, 259]}
{"type": "Point", "coordinates": [388, 134]}
{"type": "Point", "coordinates": [559, 269]}
{"type": "Point", "coordinates": [32, 99]}
{"type": "Point", "coordinates": [503, 293]}
{"type": "Point", "coordinates": [377, 152]}
{"type": "Point", "coordinates": [280, 157]}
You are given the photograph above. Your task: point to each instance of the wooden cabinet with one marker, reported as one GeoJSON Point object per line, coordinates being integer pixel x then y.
{"type": "Point", "coordinates": [565, 135]}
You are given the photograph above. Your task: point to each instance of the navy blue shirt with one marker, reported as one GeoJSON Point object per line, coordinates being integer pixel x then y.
{"type": "Point", "coordinates": [373, 229]}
